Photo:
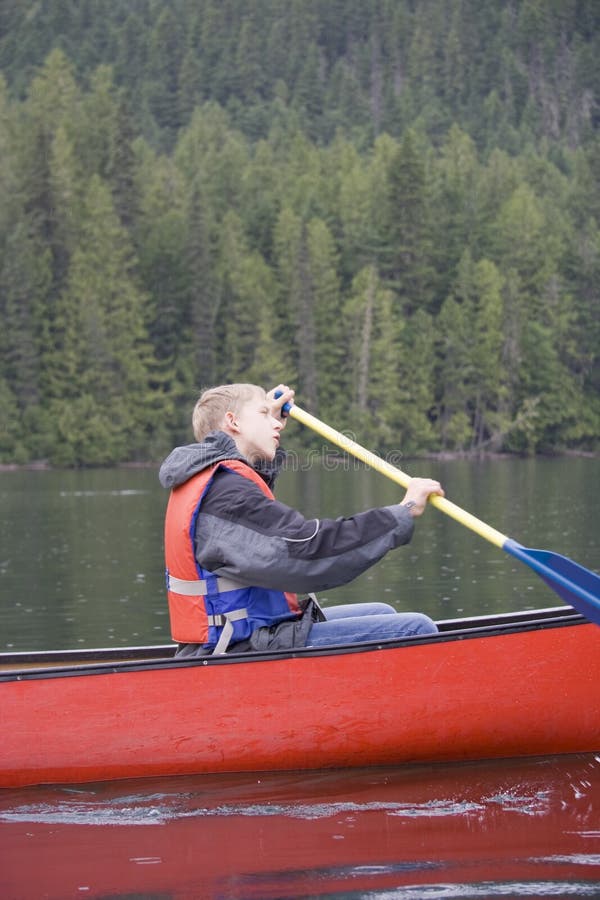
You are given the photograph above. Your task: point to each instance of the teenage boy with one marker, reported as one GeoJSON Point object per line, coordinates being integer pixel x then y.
{"type": "Point", "coordinates": [241, 566]}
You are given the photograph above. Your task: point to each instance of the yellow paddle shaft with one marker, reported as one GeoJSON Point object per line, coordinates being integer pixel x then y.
{"type": "Point", "coordinates": [395, 474]}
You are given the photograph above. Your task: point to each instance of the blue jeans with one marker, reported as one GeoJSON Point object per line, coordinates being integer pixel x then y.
{"type": "Point", "coordinates": [356, 622]}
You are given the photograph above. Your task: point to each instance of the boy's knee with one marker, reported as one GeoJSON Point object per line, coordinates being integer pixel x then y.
{"type": "Point", "coordinates": [377, 609]}
{"type": "Point", "coordinates": [424, 624]}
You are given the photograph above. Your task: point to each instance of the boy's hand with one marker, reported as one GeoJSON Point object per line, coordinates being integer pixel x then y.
{"type": "Point", "coordinates": [287, 396]}
{"type": "Point", "coordinates": [418, 492]}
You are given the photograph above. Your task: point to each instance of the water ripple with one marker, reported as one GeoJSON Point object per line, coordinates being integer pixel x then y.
{"type": "Point", "coordinates": [485, 889]}
{"type": "Point", "coordinates": [158, 809]}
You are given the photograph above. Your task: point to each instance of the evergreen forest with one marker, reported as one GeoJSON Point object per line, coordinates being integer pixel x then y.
{"type": "Point", "coordinates": [392, 205]}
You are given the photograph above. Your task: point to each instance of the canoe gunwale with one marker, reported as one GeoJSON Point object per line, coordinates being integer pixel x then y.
{"type": "Point", "coordinates": [61, 664]}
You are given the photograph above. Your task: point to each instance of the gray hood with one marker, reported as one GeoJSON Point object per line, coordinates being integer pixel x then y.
{"type": "Point", "coordinates": [184, 462]}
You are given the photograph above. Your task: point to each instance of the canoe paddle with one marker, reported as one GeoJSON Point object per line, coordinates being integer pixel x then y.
{"type": "Point", "coordinates": [575, 585]}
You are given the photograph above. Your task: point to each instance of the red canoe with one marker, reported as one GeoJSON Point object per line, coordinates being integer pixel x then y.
{"type": "Point", "coordinates": [523, 684]}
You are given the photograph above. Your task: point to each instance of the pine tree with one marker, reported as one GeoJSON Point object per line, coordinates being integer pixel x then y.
{"type": "Point", "coordinates": [191, 88]}
{"type": "Point", "coordinates": [205, 290]}
{"type": "Point", "coordinates": [25, 279]}
{"type": "Point", "coordinates": [249, 351]}
{"type": "Point", "coordinates": [490, 394]}
{"type": "Point", "coordinates": [166, 48]}
{"type": "Point", "coordinates": [357, 211]}
{"type": "Point", "coordinates": [455, 200]}
{"type": "Point", "coordinates": [259, 196]}
{"type": "Point", "coordinates": [329, 352]}
{"type": "Point", "coordinates": [100, 370]}
{"type": "Point", "coordinates": [308, 92]}
{"type": "Point", "coordinates": [372, 341]}
{"type": "Point", "coordinates": [455, 374]}
{"type": "Point", "coordinates": [248, 63]}
{"type": "Point", "coordinates": [413, 416]}
{"type": "Point", "coordinates": [472, 380]}
{"type": "Point", "coordinates": [47, 163]}
{"type": "Point", "coordinates": [408, 228]}
{"type": "Point", "coordinates": [295, 327]}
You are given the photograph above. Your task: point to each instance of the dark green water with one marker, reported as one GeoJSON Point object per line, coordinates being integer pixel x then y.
{"type": "Point", "coordinates": [81, 551]}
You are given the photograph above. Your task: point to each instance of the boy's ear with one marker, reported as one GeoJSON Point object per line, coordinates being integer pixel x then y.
{"type": "Point", "coordinates": [230, 423]}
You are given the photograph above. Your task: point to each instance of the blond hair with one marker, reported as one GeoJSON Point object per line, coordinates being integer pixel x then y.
{"type": "Point", "coordinates": [213, 403]}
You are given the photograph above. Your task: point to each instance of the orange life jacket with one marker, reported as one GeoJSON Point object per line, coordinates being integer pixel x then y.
{"type": "Point", "coordinates": [205, 608]}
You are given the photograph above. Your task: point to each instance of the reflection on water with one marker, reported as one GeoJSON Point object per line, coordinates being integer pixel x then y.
{"type": "Point", "coordinates": [508, 828]}
{"type": "Point", "coordinates": [81, 551]}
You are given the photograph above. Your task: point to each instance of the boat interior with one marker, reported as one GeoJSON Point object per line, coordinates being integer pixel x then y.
{"type": "Point", "coordinates": [23, 664]}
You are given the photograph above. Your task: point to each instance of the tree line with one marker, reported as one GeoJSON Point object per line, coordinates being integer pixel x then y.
{"type": "Point", "coordinates": [506, 71]}
{"type": "Point", "coordinates": [425, 287]}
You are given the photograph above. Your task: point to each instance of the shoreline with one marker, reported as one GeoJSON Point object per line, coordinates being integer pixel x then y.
{"type": "Point", "coordinates": [441, 456]}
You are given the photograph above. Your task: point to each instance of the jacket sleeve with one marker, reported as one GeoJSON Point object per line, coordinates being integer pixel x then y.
{"type": "Point", "coordinates": [242, 534]}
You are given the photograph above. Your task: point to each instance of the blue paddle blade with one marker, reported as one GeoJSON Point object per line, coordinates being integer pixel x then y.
{"type": "Point", "coordinates": [576, 585]}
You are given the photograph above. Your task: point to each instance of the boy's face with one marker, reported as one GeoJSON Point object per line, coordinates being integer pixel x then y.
{"type": "Point", "coordinates": [257, 435]}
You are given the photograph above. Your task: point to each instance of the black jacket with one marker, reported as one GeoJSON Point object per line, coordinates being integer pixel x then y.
{"type": "Point", "coordinates": [242, 534]}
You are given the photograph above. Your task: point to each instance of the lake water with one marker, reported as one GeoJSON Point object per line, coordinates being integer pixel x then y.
{"type": "Point", "coordinates": [526, 828]}
{"type": "Point", "coordinates": [81, 566]}
{"type": "Point", "coordinates": [81, 551]}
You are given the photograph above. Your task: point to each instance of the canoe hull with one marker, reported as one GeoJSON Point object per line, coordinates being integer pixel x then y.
{"type": "Point", "coordinates": [481, 695]}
